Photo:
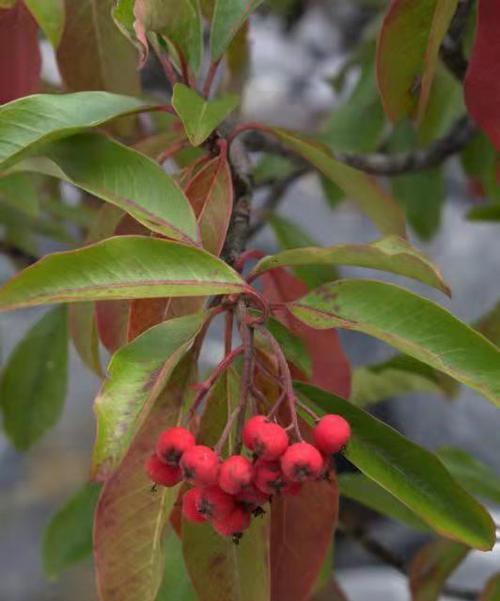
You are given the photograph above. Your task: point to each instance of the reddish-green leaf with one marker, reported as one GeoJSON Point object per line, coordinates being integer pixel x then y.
{"type": "Point", "coordinates": [130, 517]}
{"type": "Point", "coordinates": [410, 323]}
{"type": "Point", "coordinates": [492, 590]}
{"type": "Point", "coordinates": [137, 374]}
{"type": "Point", "coordinates": [407, 471]}
{"type": "Point", "coordinates": [392, 254]}
{"type": "Point", "coordinates": [358, 186]}
{"type": "Point", "coordinates": [432, 566]}
{"type": "Point", "coordinates": [20, 59]}
{"type": "Point", "coordinates": [122, 267]}
{"type": "Point", "coordinates": [93, 54]}
{"type": "Point", "coordinates": [407, 53]}
{"type": "Point", "coordinates": [482, 82]}
{"type": "Point", "coordinates": [49, 14]}
{"type": "Point", "coordinates": [210, 193]}
{"type": "Point", "coordinates": [228, 16]}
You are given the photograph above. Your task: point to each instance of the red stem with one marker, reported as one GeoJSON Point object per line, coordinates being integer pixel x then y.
{"type": "Point", "coordinates": [168, 69]}
{"type": "Point", "coordinates": [169, 152]}
{"type": "Point", "coordinates": [250, 126]}
{"type": "Point", "coordinates": [248, 255]}
{"type": "Point", "coordinates": [210, 78]}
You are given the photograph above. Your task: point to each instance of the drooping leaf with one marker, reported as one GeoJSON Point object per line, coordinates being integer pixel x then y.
{"type": "Point", "coordinates": [176, 585]}
{"type": "Point", "coordinates": [482, 85]}
{"type": "Point", "coordinates": [330, 367]}
{"type": "Point", "coordinates": [210, 193]}
{"type": "Point", "coordinates": [200, 117]}
{"type": "Point", "coordinates": [49, 15]}
{"type": "Point", "coordinates": [392, 254]}
{"type": "Point", "coordinates": [33, 383]}
{"type": "Point", "coordinates": [410, 323]}
{"type": "Point", "coordinates": [228, 17]}
{"type": "Point", "coordinates": [398, 376]}
{"type": "Point", "coordinates": [431, 567]}
{"type": "Point", "coordinates": [123, 177]}
{"type": "Point", "coordinates": [31, 121]}
{"type": "Point", "coordinates": [290, 235]}
{"type": "Point", "coordinates": [476, 477]}
{"type": "Point", "coordinates": [68, 537]}
{"type": "Point", "coordinates": [19, 191]}
{"type": "Point", "coordinates": [92, 47]}
{"type": "Point", "coordinates": [179, 22]}
{"type": "Point", "coordinates": [20, 59]}
{"type": "Point", "coordinates": [407, 471]}
{"type": "Point", "coordinates": [122, 267]}
{"type": "Point", "coordinates": [492, 589]}
{"type": "Point", "coordinates": [407, 54]}
{"type": "Point", "coordinates": [137, 374]}
{"type": "Point", "coordinates": [367, 492]}
{"type": "Point", "coordinates": [363, 189]}
{"type": "Point", "coordinates": [130, 517]}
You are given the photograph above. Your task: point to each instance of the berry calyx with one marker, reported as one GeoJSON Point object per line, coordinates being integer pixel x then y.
{"type": "Point", "coordinates": [331, 434]}
{"type": "Point", "coordinates": [269, 477]}
{"type": "Point", "coordinates": [235, 474]}
{"type": "Point", "coordinates": [233, 524]}
{"type": "Point", "coordinates": [302, 462]}
{"type": "Point", "coordinates": [173, 443]}
{"type": "Point", "coordinates": [215, 504]}
{"type": "Point", "coordinates": [200, 465]}
{"type": "Point", "coordinates": [190, 504]}
{"type": "Point", "coordinates": [251, 498]}
{"type": "Point", "coordinates": [266, 439]}
{"type": "Point", "coordinates": [161, 473]}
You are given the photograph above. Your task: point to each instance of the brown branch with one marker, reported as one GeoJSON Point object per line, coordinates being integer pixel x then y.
{"type": "Point", "coordinates": [451, 51]}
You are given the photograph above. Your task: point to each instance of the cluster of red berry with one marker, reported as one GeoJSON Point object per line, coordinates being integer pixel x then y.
{"type": "Point", "coordinates": [227, 493]}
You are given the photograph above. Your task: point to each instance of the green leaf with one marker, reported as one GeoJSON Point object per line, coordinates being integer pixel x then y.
{"type": "Point", "coordinates": [392, 254]}
{"type": "Point", "coordinates": [432, 566]}
{"type": "Point", "coordinates": [476, 477]}
{"type": "Point", "coordinates": [487, 212]}
{"type": "Point", "coordinates": [367, 492]}
{"type": "Point", "coordinates": [68, 537]}
{"type": "Point", "coordinates": [407, 54]}
{"type": "Point", "coordinates": [130, 518]}
{"type": "Point", "coordinates": [122, 267]}
{"type": "Point", "coordinates": [407, 471]}
{"type": "Point", "coordinates": [176, 585]}
{"type": "Point", "coordinates": [49, 15]}
{"type": "Point", "coordinates": [395, 377]}
{"type": "Point", "coordinates": [137, 374]}
{"type": "Point", "coordinates": [33, 383]}
{"type": "Point", "coordinates": [290, 235]}
{"type": "Point", "coordinates": [228, 17]}
{"type": "Point", "coordinates": [492, 589]}
{"type": "Point", "coordinates": [93, 54]}
{"type": "Point", "coordinates": [123, 177]}
{"type": "Point", "coordinates": [480, 161]}
{"type": "Point", "coordinates": [410, 323]}
{"type": "Point", "coordinates": [489, 325]}
{"type": "Point", "coordinates": [381, 208]}
{"type": "Point", "coordinates": [200, 117]}
{"type": "Point", "coordinates": [293, 346]}
{"type": "Point", "coordinates": [34, 120]}
{"type": "Point", "coordinates": [178, 21]}
{"type": "Point", "coordinates": [18, 190]}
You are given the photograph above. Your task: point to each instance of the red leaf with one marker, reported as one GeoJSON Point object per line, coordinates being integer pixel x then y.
{"type": "Point", "coordinates": [330, 367]}
{"type": "Point", "coordinates": [20, 60]}
{"type": "Point", "coordinates": [482, 82]}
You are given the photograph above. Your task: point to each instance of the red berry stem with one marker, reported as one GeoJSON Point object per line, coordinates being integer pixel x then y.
{"type": "Point", "coordinates": [228, 332]}
{"type": "Point", "coordinates": [307, 410]}
{"type": "Point", "coordinates": [286, 377]}
{"type": "Point", "coordinates": [227, 430]}
{"type": "Point", "coordinates": [246, 334]}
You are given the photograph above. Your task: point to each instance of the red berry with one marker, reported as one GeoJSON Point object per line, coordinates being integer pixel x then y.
{"type": "Point", "coordinates": [301, 462]}
{"type": "Point", "coordinates": [190, 504]}
{"type": "Point", "coordinates": [214, 503]}
{"type": "Point", "coordinates": [233, 524]}
{"type": "Point", "coordinates": [173, 443]}
{"type": "Point", "coordinates": [266, 439]}
{"type": "Point", "coordinates": [269, 477]}
{"type": "Point", "coordinates": [331, 434]}
{"type": "Point", "coordinates": [251, 497]}
{"type": "Point", "coordinates": [235, 474]}
{"type": "Point", "coordinates": [163, 474]}
{"type": "Point", "coordinates": [200, 465]}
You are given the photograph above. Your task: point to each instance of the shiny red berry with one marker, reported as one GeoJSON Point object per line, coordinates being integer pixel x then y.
{"type": "Point", "coordinates": [161, 473]}
{"type": "Point", "coordinates": [200, 465]}
{"type": "Point", "coordinates": [233, 524]}
{"type": "Point", "coordinates": [266, 439]}
{"type": "Point", "coordinates": [235, 474]}
{"type": "Point", "coordinates": [302, 462]}
{"type": "Point", "coordinates": [173, 443]}
{"type": "Point", "coordinates": [214, 503]}
{"type": "Point", "coordinates": [269, 477]}
{"type": "Point", "coordinates": [190, 504]}
{"type": "Point", "coordinates": [331, 434]}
